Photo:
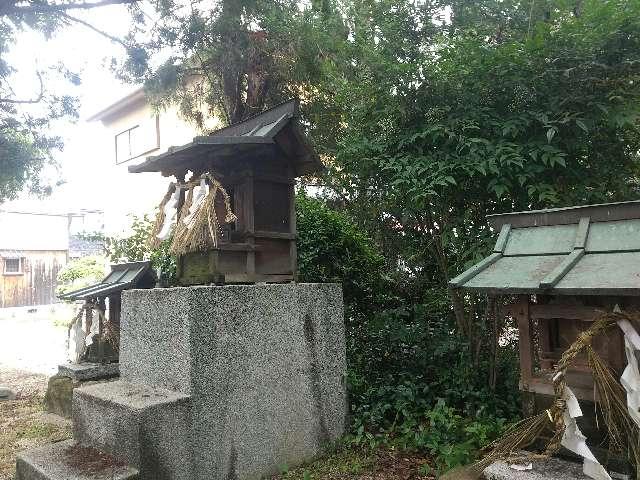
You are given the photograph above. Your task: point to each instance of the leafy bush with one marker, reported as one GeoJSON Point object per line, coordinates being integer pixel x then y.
{"type": "Point", "coordinates": [412, 381]}
{"type": "Point", "coordinates": [80, 273]}
{"type": "Point", "coordinates": [135, 247]}
{"type": "Point", "coordinates": [332, 249]}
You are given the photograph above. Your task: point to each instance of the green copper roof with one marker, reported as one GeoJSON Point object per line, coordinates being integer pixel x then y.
{"type": "Point", "coordinates": [122, 277]}
{"type": "Point", "coordinates": [586, 250]}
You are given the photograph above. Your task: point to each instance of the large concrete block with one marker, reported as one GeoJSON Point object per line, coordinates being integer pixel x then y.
{"type": "Point", "coordinates": [66, 461]}
{"type": "Point", "coordinates": [154, 337]}
{"type": "Point", "coordinates": [264, 366]}
{"type": "Point", "coordinates": [146, 427]}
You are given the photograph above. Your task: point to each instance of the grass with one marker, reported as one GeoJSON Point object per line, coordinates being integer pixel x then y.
{"type": "Point", "coordinates": [22, 427]}
{"type": "Point", "coordinates": [361, 464]}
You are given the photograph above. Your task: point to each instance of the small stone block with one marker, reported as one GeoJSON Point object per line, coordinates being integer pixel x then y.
{"type": "Point", "coordinates": [6, 394]}
{"type": "Point", "coordinates": [146, 427]}
{"type": "Point", "coordinates": [543, 469]}
{"type": "Point", "coordinates": [81, 372]}
{"type": "Point", "coordinates": [66, 461]}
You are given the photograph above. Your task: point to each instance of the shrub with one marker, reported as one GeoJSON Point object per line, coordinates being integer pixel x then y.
{"type": "Point", "coordinates": [80, 273]}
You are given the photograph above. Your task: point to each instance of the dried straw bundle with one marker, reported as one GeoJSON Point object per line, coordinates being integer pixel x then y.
{"type": "Point", "coordinates": [153, 240]}
{"type": "Point", "coordinates": [198, 230]}
{"type": "Point", "coordinates": [624, 434]}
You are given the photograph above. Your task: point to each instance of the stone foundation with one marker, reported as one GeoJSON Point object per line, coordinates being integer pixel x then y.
{"type": "Point", "coordinates": [217, 383]}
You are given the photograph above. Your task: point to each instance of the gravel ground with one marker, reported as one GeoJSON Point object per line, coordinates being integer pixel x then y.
{"type": "Point", "coordinates": [31, 348]}
{"type": "Point", "coordinates": [32, 344]}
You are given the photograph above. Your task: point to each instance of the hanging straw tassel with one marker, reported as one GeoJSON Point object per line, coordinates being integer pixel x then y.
{"type": "Point", "coordinates": [525, 432]}
{"type": "Point", "coordinates": [201, 230]}
{"type": "Point", "coordinates": [181, 229]}
{"type": "Point", "coordinates": [153, 240]}
{"type": "Point", "coordinates": [623, 432]}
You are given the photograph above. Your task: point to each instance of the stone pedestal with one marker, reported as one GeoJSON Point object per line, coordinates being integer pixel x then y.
{"type": "Point", "coordinates": [542, 469]}
{"type": "Point", "coordinates": [60, 387]}
{"type": "Point", "coordinates": [221, 382]}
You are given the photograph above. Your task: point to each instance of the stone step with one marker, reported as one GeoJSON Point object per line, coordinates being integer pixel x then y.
{"type": "Point", "coordinates": [69, 461]}
{"type": "Point", "coordinates": [146, 427]}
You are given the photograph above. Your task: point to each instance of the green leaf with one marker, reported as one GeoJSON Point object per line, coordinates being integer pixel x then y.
{"type": "Point", "coordinates": [582, 125]}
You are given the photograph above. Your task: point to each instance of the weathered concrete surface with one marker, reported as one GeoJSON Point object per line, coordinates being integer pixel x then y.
{"type": "Point", "coordinates": [72, 375]}
{"type": "Point", "coordinates": [146, 427]}
{"type": "Point", "coordinates": [547, 469]}
{"type": "Point", "coordinates": [264, 366]}
{"type": "Point", "coordinates": [82, 372]}
{"type": "Point", "coordinates": [6, 393]}
{"type": "Point", "coordinates": [58, 461]}
{"type": "Point", "coordinates": [59, 393]}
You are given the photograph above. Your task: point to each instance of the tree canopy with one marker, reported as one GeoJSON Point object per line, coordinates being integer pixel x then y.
{"type": "Point", "coordinates": [27, 137]}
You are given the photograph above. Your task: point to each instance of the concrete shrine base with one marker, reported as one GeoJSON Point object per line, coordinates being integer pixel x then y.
{"type": "Point", "coordinates": [542, 469]}
{"type": "Point", "coordinates": [217, 382]}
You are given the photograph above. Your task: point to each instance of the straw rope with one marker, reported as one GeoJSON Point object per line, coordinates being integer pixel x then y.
{"type": "Point", "coordinates": [200, 230]}
{"type": "Point", "coordinates": [160, 218]}
{"type": "Point", "coordinates": [624, 434]}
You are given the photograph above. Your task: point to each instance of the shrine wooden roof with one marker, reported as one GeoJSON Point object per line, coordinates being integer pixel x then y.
{"type": "Point", "coordinates": [123, 276]}
{"type": "Point", "coordinates": [584, 250]}
{"type": "Point", "coordinates": [273, 131]}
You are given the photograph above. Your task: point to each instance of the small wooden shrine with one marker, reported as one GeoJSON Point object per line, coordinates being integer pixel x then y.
{"type": "Point", "coordinates": [561, 268]}
{"type": "Point", "coordinates": [107, 293]}
{"type": "Point", "coordinates": [233, 199]}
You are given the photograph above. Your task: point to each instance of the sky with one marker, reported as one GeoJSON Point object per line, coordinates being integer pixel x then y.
{"type": "Point", "coordinates": [89, 54]}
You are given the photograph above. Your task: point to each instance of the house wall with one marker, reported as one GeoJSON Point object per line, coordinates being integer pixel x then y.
{"type": "Point", "coordinates": [129, 193]}
{"type": "Point", "coordinates": [36, 284]}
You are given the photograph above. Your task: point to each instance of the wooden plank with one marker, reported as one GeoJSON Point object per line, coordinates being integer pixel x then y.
{"type": "Point", "coordinates": [545, 387]}
{"type": "Point", "coordinates": [502, 239]}
{"type": "Point", "coordinates": [476, 269]}
{"type": "Point", "coordinates": [561, 270]}
{"type": "Point", "coordinates": [293, 247]}
{"type": "Point", "coordinates": [525, 341]}
{"type": "Point", "coordinates": [605, 212]}
{"type": "Point", "coordinates": [567, 312]}
{"type": "Point", "coordinates": [582, 233]}
{"type": "Point", "coordinates": [544, 339]}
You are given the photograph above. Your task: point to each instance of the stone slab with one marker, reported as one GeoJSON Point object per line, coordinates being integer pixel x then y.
{"type": "Point", "coordinates": [6, 394]}
{"type": "Point", "coordinates": [59, 461]}
{"type": "Point", "coordinates": [146, 427]}
{"type": "Point", "coordinates": [82, 372]}
{"type": "Point", "coordinates": [264, 365]}
{"type": "Point", "coordinates": [543, 469]}
{"type": "Point", "coordinates": [59, 394]}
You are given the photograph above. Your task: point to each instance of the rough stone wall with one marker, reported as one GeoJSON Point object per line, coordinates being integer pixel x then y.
{"type": "Point", "coordinates": [264, 365]}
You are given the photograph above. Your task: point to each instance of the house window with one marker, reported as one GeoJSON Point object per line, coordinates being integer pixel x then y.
{"type": "Point", "coordinates": [12, 266]}
{"type": "Point", "coordinates": [137, 140]}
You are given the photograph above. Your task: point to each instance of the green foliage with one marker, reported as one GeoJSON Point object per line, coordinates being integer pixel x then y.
{"type": "Point", "coordinates": [80, 273]}
{"type": "Point", "coordinates": [332, 249]}
{"type": "Point", "coordinates": [27, 143]}
{"type": "Point", "coordinates": [410, 379]}
{"type": "Point", "coordinates": [135, 247]}
{"type": "Point", "coordinates": [426, 127]}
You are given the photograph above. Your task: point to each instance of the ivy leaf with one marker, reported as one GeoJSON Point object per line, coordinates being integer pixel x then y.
{"type": "Point", "coordinates": [582, 125]}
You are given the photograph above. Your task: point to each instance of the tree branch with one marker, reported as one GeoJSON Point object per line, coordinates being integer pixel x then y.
{"type": "Point", "coordinates": [34, 100]}
{"type": "Point", "coordinates": [95, 29]}
{"type": "Point", "coordinates": [53, 8]}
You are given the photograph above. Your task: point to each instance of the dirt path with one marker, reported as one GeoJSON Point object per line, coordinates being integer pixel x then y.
{"type": "Point", "coordinates": [22, 424]}
{"type": "Point", "coordinates": [32, 344]}
{"type": "Point", "coordinates": [31, 347]}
